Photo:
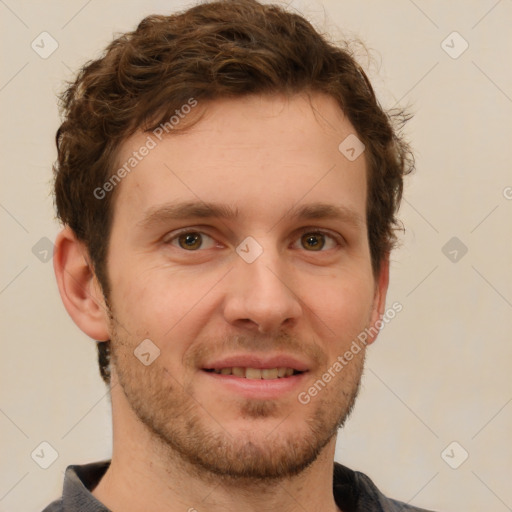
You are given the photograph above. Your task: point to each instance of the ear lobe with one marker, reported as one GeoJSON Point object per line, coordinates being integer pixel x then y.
{"type": "Point", "coordinates": [379, 300]}
{"type": "Point", "coordinates": [79, 289]}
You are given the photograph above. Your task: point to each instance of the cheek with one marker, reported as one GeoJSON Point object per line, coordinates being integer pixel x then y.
{"type": "Point", "coordinates": [159, 303]}
{"type": "Point", "coordinates": [342, 308]}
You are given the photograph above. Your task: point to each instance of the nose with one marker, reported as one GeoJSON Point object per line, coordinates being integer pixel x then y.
{"type": "Point", "coordinates": [261, 295]}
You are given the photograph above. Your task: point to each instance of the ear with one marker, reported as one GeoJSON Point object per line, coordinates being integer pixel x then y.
{"type": "Point", "coordinates": [79, 289]}
{"type": "Point", "coordinates": [379, 300]}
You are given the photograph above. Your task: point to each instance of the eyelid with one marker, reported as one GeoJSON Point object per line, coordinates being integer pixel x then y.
{"type": "Point", "coordinates": [177, 232]}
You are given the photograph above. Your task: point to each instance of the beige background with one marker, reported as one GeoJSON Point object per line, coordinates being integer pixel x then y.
{"type": "Point", "coordinates": [440, 372]}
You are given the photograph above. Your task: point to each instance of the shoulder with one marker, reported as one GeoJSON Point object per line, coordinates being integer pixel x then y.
{"type": "Point", "coordinates": [366, 494]}
{"type": "Point", "coordinates": [55, 506]}
{"type": "Point", "coordinates": [372, 493]}
{"type": "Point", "coordinates": [79, 481]}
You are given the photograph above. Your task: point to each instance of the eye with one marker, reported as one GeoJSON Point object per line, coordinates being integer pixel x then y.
{"type": "Point", "coordinates": [316, 241]}
{"type": "Point", "coordinates": [310, 239]}
{"type": "Point", "coordinates": [191, 240]}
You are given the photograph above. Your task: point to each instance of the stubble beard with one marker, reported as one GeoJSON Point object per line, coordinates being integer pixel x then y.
{"type": "Point", "coordinates": [187, 435]}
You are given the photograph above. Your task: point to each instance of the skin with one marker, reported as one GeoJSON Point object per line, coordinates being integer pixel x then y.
{"type": "Point", "coordinates": [182, 440]}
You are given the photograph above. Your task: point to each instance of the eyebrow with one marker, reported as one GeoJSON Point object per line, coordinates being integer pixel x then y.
{"type": "Point", "coordinates": [326, 211]}
{"type": "Point", "coordinates": [187, 210]}
{"type": "Point", "coordinates": [202, 210]}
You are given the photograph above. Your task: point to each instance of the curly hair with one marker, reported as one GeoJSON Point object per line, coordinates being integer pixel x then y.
{"type": "Point", "coordinates": [221, 49]}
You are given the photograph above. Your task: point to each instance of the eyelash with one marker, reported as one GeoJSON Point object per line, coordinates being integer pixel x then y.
{"type": "Point", "coordinates": [338, 239]}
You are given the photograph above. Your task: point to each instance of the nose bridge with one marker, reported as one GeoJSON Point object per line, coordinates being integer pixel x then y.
{"type": "Point", "coordinates": [261, 293]}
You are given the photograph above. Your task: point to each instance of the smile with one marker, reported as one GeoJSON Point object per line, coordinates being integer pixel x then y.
{"type": "Point", "coordinates": [256, 373]}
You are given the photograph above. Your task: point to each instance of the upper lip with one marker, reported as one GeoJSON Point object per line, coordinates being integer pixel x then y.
{"type": "Point", "coordinates": [255, 361]}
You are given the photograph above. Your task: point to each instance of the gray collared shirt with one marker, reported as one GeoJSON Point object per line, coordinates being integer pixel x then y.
{"type": "Point", "coordinates": [353, 491]}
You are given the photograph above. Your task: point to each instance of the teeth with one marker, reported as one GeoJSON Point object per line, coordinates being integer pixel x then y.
{"type": "Point", "coordinates": [252, 373]}
{"type": "Point", "coordinates": [269, 374]}
{"type": "Point", "coordinates": [256, 373]}
{"type": "Point", "coordinates": [239, 372]}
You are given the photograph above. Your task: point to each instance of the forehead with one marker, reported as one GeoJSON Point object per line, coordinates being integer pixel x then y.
{"type": "Point", "coordinates": [258, 154]}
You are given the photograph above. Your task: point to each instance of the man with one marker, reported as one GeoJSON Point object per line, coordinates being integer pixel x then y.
{"type": "Point", "coordinates": [228, 186]}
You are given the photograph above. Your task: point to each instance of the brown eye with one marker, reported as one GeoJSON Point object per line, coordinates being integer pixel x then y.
{"type": "Point", "coordinates": [190, 241]}
{"type": "Point", "coordinates": [313, 241]}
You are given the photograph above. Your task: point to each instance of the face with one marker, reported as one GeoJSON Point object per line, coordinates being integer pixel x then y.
{"type": "Point", "coordinates": [240, 249]}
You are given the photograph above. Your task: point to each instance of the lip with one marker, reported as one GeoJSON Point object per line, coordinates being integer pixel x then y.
{"type": "Point", "coordinates": [256, 361]}
{"type": "Point", "coordinates": [263, 389]}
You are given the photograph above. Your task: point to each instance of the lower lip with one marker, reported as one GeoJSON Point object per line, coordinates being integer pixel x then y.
{"type": "Point", "coordinates": [265, 389]}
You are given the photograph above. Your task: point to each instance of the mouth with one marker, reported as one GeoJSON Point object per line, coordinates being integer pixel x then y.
{"type": "Point", "coordinates": [255, 383]}
{"type": "Point", "coordinates": [281, 372]}
{"type": "Point", "coordinates": [256, 376]}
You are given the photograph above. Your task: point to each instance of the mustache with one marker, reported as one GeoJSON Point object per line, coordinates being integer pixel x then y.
{"type": "Point", "coordinates": [212, 348]}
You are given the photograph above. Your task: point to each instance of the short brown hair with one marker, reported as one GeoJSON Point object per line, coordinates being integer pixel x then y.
{"type": "Point", "coordinates": [221, 49]}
